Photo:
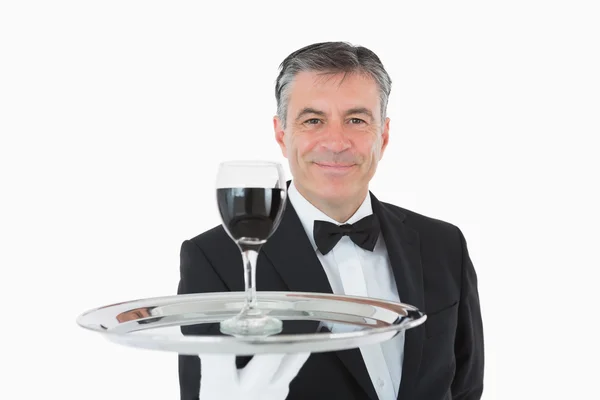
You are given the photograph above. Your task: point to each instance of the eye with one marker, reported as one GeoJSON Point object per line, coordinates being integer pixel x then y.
{"type": "Point", "coordinates": [312, 121]}
{"type": "Point", "coordinates": [357, 121]}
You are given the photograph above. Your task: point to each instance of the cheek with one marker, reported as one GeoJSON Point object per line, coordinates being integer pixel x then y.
{"type": "Point", "coordinates": [303, 145]}
{"type": "Point", "coordinates": [369, 146]}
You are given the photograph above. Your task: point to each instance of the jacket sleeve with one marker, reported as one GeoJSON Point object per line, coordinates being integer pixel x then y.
{"type": "Point", "coordinates": [197, 275]}
{"type": "Point", "coordinates": [469, 345]}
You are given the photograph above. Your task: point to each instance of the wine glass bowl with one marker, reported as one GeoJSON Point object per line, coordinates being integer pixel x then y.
{"type": "Point", "coordinates": [251, 198]}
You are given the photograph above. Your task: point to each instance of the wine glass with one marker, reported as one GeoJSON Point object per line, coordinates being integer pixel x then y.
{"type": "Point", "coordinates": [251, 199]}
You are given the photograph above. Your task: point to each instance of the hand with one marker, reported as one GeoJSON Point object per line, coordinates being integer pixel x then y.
{"type": "Point", "coordinates": [265, 377]}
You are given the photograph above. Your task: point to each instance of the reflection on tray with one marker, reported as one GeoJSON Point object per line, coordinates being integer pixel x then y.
{"type": "Point", "coordinates": [299, 317]}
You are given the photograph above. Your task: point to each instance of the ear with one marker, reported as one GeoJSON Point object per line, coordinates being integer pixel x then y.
{"type": "Point", "coordinates": [385, 137]}
{"type": "Point", "coordinates": [280, 134]}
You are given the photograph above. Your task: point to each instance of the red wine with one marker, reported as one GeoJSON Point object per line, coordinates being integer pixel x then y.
{"type": "Point", "coordinates": [250, 213]}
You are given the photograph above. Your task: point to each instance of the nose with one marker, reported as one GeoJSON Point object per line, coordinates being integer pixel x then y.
{"type": "Point", "coordinates": [335, 139]}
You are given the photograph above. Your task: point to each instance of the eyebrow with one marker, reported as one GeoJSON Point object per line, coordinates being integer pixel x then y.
{"type": "Point", "coordinates": [360, 110]}
{"type": "Point", "coordinates": [356, 110]}
{"type": "Point", "coordinates": [308, 110]}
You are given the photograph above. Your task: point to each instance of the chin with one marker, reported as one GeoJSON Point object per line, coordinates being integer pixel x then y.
{"type": "Point", "coordinates": [334, 189]}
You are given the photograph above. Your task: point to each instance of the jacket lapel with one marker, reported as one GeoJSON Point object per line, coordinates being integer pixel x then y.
{"type": "Point", "coordinates": [403, 246]}
{"type": "Point", "coordinates": [293, 257]}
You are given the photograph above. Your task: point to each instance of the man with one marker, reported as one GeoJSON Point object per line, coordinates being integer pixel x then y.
{"type": "Point", "coordinates": [331, 125]}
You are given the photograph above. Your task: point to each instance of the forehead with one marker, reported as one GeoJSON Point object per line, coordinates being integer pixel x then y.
{"type": "Point", "coordinates": [340, 91]}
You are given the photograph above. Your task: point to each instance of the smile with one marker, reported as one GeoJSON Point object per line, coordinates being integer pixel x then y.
{"type": "Point", "coordinates": [339, 168]}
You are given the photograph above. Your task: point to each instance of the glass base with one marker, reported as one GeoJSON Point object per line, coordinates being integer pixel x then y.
{"type": "Point", "coordinates": [251, 322]}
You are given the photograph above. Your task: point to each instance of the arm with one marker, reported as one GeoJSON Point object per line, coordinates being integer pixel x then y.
{"type": "Point", "coordinates": [469, 346]}
{"type": "Point", "coordinates": [197, 275]}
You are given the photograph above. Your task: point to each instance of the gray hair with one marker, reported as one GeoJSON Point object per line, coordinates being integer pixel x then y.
{"type": "Point", "coordinates": [331, 57]}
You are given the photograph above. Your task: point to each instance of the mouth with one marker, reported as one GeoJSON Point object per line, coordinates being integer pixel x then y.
{"type": "Point", "coordinates": [335, 168]}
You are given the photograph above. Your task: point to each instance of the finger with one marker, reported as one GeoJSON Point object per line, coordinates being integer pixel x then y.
{"type": "Point", "coordinates": [290, 366]}
{"type": "Point", "coordinates": [260, 370]}
{"type": "Point", "coordinates": [218, 367]}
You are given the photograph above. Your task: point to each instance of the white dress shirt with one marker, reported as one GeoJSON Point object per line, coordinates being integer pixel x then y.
{"type": "Point", "coordinates": [353, 271]}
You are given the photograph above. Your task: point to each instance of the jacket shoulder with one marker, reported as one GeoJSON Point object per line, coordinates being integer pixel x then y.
{"type": "Point", "coordinates": [422, 223]}
{"type": "Point", "coordinates": [213, 239]}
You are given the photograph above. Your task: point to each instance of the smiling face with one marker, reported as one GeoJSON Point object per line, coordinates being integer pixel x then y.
{"type": "Point", "coordinates": [334, 136]}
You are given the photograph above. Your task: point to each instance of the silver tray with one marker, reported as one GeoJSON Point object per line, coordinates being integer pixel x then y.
{"type": "Point", "coordinates": [312, 322]}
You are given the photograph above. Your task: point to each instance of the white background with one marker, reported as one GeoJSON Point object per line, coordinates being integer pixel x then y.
{"type": "Point", "coordinates": [114, 115]}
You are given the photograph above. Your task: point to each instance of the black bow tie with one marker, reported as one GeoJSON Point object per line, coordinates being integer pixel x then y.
{"type": "Point", "coordinates": [364, 233]}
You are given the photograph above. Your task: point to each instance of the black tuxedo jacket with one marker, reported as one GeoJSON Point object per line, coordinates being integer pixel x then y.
{"type": "Point", "coordinates": [443, 358]}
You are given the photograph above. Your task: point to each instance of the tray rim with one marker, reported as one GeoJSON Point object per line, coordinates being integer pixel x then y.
{"type": "Point", "coordinates": [162, 341]}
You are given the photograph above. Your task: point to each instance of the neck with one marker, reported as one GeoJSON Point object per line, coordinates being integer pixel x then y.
{"type": "Point", "coordinates": [339, 210]}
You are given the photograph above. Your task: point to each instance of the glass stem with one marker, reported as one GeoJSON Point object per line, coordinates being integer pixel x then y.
{"type": "Point", "coordinates": [250, 256]}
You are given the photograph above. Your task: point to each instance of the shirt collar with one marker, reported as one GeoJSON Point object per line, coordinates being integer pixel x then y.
{"type": "Point", "coordinates": [308, 214]}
